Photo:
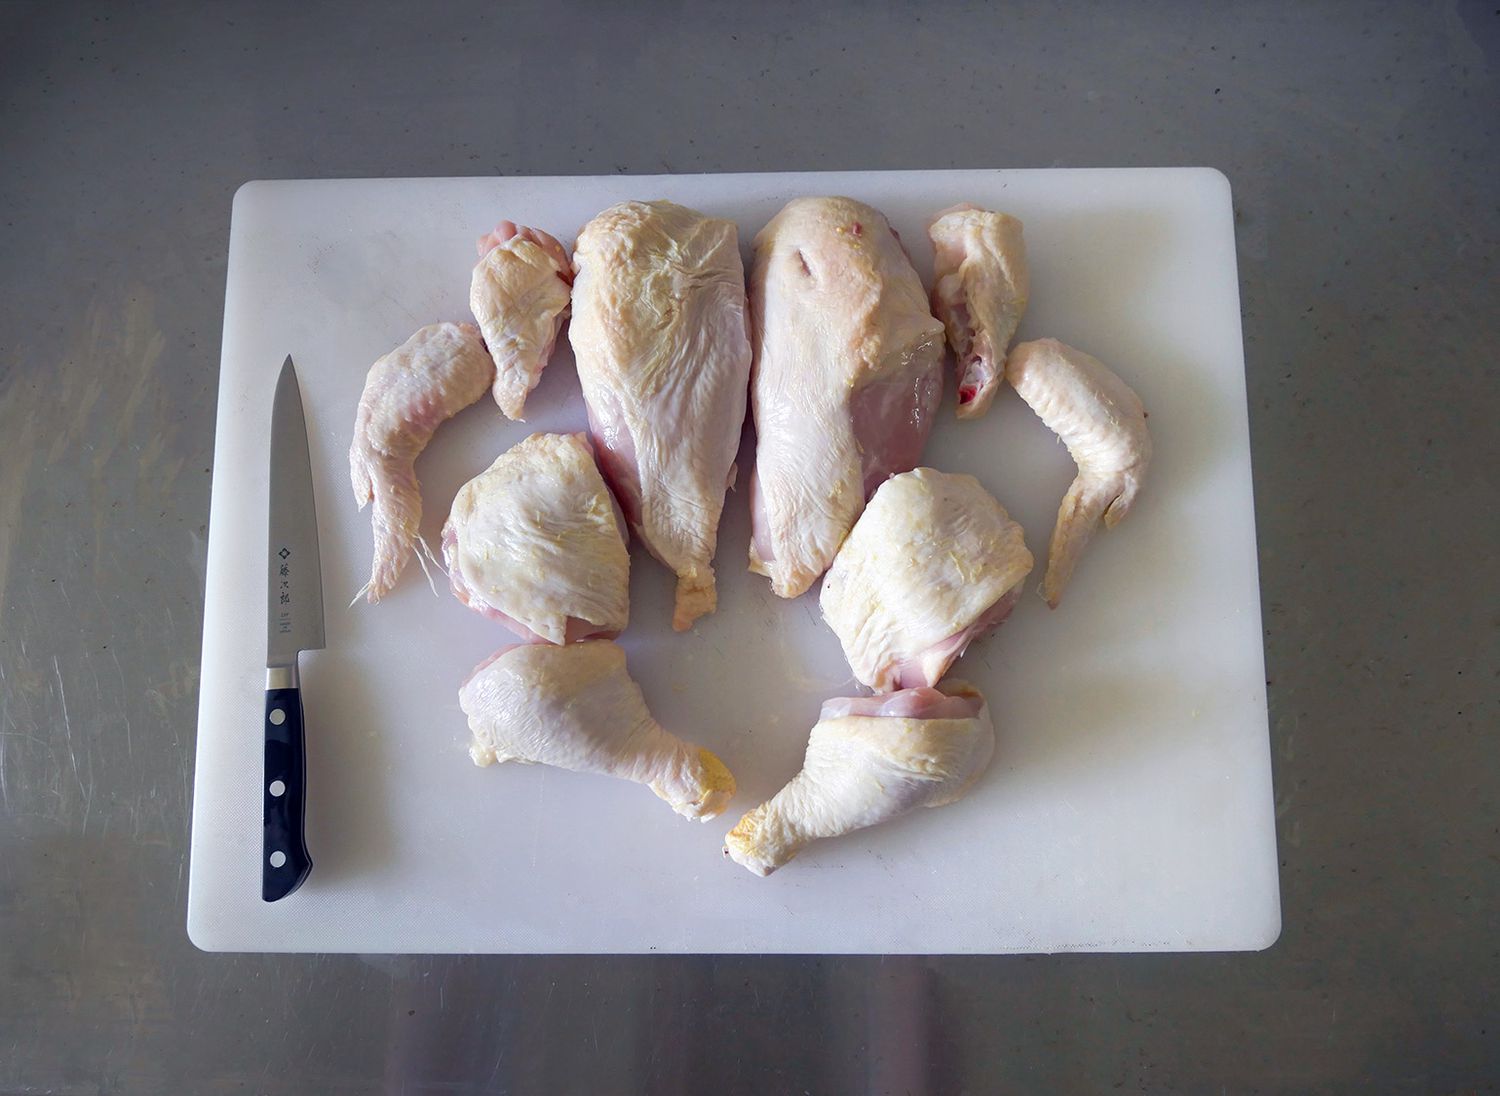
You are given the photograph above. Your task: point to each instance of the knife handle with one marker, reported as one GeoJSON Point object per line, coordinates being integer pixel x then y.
{"type": "Point", "coordinates": [284, 860]}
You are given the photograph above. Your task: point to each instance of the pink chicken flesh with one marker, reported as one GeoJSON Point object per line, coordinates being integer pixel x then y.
{"type": "Point", "coordinates": [846, 379]}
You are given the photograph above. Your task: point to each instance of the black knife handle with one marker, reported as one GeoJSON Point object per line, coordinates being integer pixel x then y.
{"type": "Point", "coordinates": [284, 860]}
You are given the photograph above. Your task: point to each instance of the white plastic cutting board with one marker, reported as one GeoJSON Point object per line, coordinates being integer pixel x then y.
{"type": "Point", "coordinates": [1129, 807]}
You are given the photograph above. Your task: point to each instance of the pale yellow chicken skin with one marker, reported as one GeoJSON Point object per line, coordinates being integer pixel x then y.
{"type": "Point", "coordinates": [535, 542]}
{"type": "Point", "coordinates": [980, 291]}
{"type": "Point", "coordinates": [576, 707]}
{"type": "Point", "coordinates": [847, 377]}
{"type": "Point", "coordinates": [519, 295]}
{"type": "Point", "coordinates": [869, 760]}
{"type": "Point", "coordinates": [920, 577]}
{"type": "Point", "coordinates": [1103, 423]}
{"type": "Point", "coordinates": [662, 341]}
{"type": "Point", "coordinates": [408, 394]}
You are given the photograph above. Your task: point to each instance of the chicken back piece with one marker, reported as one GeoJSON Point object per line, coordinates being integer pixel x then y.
{"type": "Point", "coordinates": [870, 759]}
{"type": "Point", "coordinates": [847, 377]}
{"type": "Point", "coordinates": [933, 564]}
{"type": "Point", "coordinates": [660, 333]}
{"type": "Point", "coordinates": [519, 294]}
{"type": "Point", "coordinates": [536, 543]}
{"type": "Point", "coordinates": [979, 291]}
{"type": "Point", "coordinates": [575, 707]}
{"type": "Point", "coordinates": [1103, 424]}
{"type": "Point", "coordinates": [408, 394]}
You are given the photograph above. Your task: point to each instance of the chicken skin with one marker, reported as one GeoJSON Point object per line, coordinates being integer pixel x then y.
{"type": "Point", "coordinates": [408, 394]}
{"type": "Point", "coordinates": [847, 377]}
{"type": "Point", "coordinates": [660, 333]}
{"type": "Point", "coordinates": [575, 707]}
{"type": "Point", "coordinates": [1103, 424]}
{"type": "Point", "coordinates": [933, 563]}
{"type": "Point", "coordinates": [536, 542]}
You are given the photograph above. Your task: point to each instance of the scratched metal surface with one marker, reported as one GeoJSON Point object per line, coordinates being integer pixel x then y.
{"type": "Point", "coordinates": [1361, 140]}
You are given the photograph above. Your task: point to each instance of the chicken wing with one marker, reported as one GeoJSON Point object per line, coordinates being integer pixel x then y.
{"type": "Point", "coordinates": [408, 394]}
{"type": "Point", "coordinates": [979, 292]}
{"type": "Point", "coordinates": [519, 295]}
{"type": "Point", "coordinates": [1103, 424]}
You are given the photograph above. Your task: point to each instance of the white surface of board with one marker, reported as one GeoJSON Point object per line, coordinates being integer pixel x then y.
{"type": "Point", "coordinates": [1129, 806]}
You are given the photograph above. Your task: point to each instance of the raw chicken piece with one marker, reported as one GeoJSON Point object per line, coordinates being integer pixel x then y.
{"type": "Point", "coordinates": [933, 563]}
{"type": "Point", "coordinates": [847, 375]}
{"type": "Point", "coordinates": [663, 349]}
{"type": "Point", "coordinates": [408, 394]}
{"type": "Point", "coordinates": [519, 295]}
{"type": "Point", "coordinates": [536, 543]}
{"type": "Point", "coordinates": [870, 759]}
{"type": "Point", "coordinates": [575, 707]}
{"type": "Point", "coordinates": [979, 292]}
{"type": "Point", "coordinates": [1101, 421]}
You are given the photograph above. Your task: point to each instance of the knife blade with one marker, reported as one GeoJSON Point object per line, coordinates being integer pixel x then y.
{"type": "Point", "coordinates": [294, 623]}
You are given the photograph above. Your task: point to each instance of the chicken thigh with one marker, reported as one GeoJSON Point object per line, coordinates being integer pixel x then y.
{"type": "Point", "coordinates": [870, 759]}
{"type": "Point", "coordinates": [979, 291]}
{"type": "Point", "coordinates": [408, 394]}
{"type": "Point", "coordinates": [846, 379]}
{"type": "Point", "coordinates": [1103, 424]}
{"type": "Point", "coordinates": [536, 543]}
{"type": "Point", "coordinates": [575, 707]}
{"type": "Point", "coordinates": [932, 564]}
{"type": "Point", "coordinates": [519, 294]}
{"type": "Point", "coordinates": [663, 349]}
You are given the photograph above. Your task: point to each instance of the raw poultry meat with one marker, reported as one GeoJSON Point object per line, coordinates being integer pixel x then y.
{"type": "Point", "coordinates": [1103, 424]}
{"type": "Point", "coordinates": [408, 394]}
{"type": "Point", "coordinates": [660, 334]}
{"type": "Point", "coordinates": [575, 707]}
{"type": "Point", "coordinates": [519, 294]}
{"type": "Point", "coordinates": [536, 542]}
{"type": "Point", "coordinates": [979, 291]}
{"type": "Point", "coordinates": [870, 759]}
{"type": "Point", "coordinates": [847, 376]}
{"type": "Point", "coordinates": [932, 564]}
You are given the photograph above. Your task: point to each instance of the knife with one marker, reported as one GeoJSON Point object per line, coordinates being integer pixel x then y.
{"type": "Point", "coordinates": [294, 623]}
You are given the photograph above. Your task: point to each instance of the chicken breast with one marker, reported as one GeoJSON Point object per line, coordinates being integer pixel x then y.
{"type": "Point", "coordinates": [660, 333]}
{"type": "Point", "coordinates": [1103, 423]}
{"type": "Point", "coordinates": [536, 542]}
{"type": "Point", "coordinates": [519, 295]}
{"type": "Point", "coordinates": [575, 707]}
{"type": "Point", "coordinates": [980, 291]}
{"type": "Point", "coordinates": [847, 377]}
{"type": "Point", "coordinates": [870, 759]}
{"type": "Point", "coordinates": [408, 394]}
{"type": "Point", "coordinates": [933, 563]}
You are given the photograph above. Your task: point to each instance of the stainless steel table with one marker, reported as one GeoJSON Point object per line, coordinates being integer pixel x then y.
{"type": "Point", "coordinates": [1362, 143]}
